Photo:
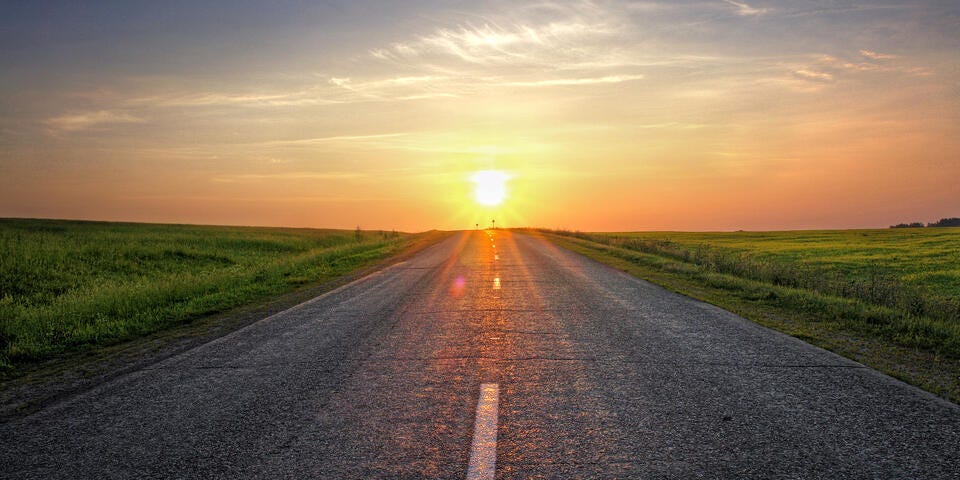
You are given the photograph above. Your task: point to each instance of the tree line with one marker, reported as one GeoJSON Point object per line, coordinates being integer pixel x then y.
{"type": "Point", "coordinates": [943, 222]}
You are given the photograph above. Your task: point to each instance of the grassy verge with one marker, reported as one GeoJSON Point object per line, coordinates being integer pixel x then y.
{"type": "Point", "coordinates": [67, 287]}
{"type": "Point", "coordinates": [860, 307]}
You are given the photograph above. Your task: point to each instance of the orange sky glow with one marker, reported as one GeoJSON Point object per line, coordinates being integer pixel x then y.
{"type": "Point", "coordinates": [596, 115]}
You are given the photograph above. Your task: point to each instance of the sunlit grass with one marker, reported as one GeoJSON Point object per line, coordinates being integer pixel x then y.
{"type": "Point", "coordinates": [913, 270]}
{"type": "Point", "coordinates": [68, 285]}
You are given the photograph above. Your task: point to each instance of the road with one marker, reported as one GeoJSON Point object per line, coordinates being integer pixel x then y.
{"type": "Point", "coordinates": [586, 372]}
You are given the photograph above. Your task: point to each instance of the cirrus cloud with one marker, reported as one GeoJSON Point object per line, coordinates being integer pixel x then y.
{"type": "Point", "coordinates": [73, 122]}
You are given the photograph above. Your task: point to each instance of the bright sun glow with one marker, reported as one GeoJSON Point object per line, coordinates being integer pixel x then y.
{"type": "Point", "coordinates": [490, 187]}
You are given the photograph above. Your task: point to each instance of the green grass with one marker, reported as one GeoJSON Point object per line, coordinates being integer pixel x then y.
{"type": "Point", "coordinates": [888, 298]}
{"type": "Point", "coordinates": [925, 259]}
{"type": "Point", "coordinates": [67, 286]}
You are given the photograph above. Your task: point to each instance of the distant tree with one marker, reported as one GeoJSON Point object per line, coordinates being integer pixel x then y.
{"type": "Point", "coordinates": [946, 222]}
{"type": "Point", "coordinates": [358, 234]}
{"type": "Point", "coordinates": [908, 225]}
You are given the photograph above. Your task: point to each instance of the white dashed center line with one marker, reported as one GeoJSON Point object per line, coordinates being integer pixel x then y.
{"type": "Point", "coordinates": [483, 453]}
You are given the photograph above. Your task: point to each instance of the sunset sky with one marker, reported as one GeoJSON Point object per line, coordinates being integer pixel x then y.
{"type": "Point", "coordinates": [598, 115]}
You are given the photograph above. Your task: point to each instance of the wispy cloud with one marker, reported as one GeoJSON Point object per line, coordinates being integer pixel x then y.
{"type": "Point", "coordinates": [74, 122]}
{"type": "Point", "coordinates": [876, 56]}
{"type": "Point", "coordinates": [576, 44]}
{"type": "Point", "coordinates": [875, 62]}
{"type": "Point", "coordinates": [254, 177]}
{"type": "Point", "coordinates": [411, 87]}
{"type": "Point", "coordinates": [491, 43]}
{"type": "Point", "coordinates": [814, 75]}
{"type": "Point", "coordinates": [309, 95]}
{"type": "Point", "coordinates": [746, 10]}
{"type": "Point", "coordinates": [330, 139]}
{"type": "Point", "coordinates": [668, 125]}
{"type": "Point", "coordinates": [574, 81]}
{"type": "Point", "coordinates": [549, 33]}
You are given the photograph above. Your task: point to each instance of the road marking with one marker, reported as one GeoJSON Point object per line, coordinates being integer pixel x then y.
{"type": "Point", "coordinates": [483, 453]}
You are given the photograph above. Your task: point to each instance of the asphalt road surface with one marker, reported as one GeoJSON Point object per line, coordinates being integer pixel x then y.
{"type": "Point", "coordinates": [532, 360]}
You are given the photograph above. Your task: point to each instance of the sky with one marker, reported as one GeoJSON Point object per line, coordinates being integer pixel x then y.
{"type": "Point", "coordinates": [596, 115]}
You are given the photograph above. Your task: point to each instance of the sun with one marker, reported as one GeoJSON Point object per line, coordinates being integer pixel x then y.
{"type": "Point", "coordinates": [490, 187]}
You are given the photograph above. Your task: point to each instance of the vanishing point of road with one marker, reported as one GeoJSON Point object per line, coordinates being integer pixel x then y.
{"type": "Point", "coordinates": [494, 354]}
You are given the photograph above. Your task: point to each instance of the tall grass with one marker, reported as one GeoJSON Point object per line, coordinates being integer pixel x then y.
{"type": "Point", "coordinates": [876, 283]}
{"type": "Point", "coordinates": [68, 285]}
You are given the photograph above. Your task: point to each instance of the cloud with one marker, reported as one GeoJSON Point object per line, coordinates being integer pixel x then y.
{"type": "Point", "coordinates": [547, 44]}
{"type": "Point", "coordinates": [875, 63]}
{"type": "Point", "coordinates": [255, 177]}
{"type": "Point", "coordinates": [669, 125]}
{"type": "Point", "coordinates": [574, 81]}
{"type": "Point", "coordinates": [433, 87]}
{"type": "Point", "coordinates": [493, 44]}
{"type": "Point", "coordinates": [311, 95]}
{"type": "Point", "coordinates": [876, 56]}
{"type": "Point", "coordinates": [330, 139]}
{"type": "Point", "coordinates": [814, 75]}
{"type": "Point", "coordinates": [746, 10]}
{"type": "Point", "coordinates": [81, 121]}
{"type": "Point", "coordinates": [542, 34]}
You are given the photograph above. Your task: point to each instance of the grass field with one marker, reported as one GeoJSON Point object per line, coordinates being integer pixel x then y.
{"type": "Point", "coordinates": [67, 285]}
{"type": "Point", "coordinates": [888, 298]}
